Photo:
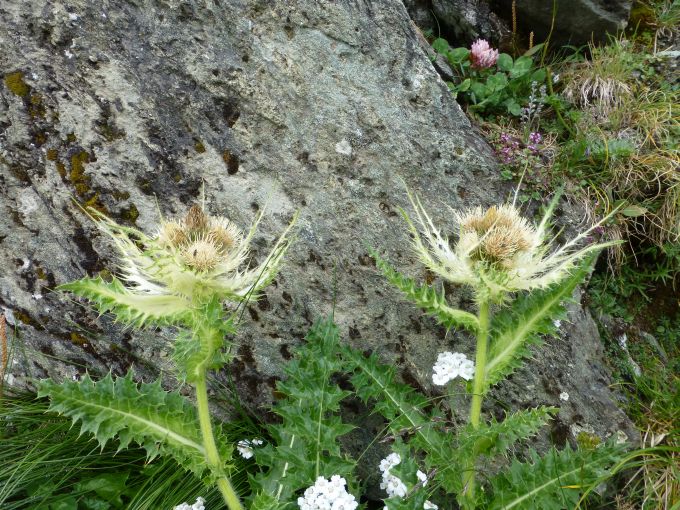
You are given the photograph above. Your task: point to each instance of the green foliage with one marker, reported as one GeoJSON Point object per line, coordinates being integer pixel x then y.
{"type": "Point", "coordinates": [306, 440]}
{"type": "Point", "coordinates": [554, 481]}
{"type": "Point", "coordinates": [201, 348]}
{"type": "Point", "coordinates": [159, 421]}
{"type": "Point", "coordinates": [46, 464]}
{"type": "Point", "coordinates": [399, 403]}
{"type": "Point", "coordinates": [407, 414]}
{"type": "Point", "coordinates": [505, 88]}
{"type": "Point", "coordinates": [433, 302]}
{"type": "Point", "coordinates": [496, 438]}
{"type": "Point", "coordinates": [264, 501]}
{"type": "Point", "coordinates": [516, 328]}
{"type": "Point", "coordinates": [129, 308]}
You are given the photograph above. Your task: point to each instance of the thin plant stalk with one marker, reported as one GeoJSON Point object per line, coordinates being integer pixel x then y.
{"type": "Point", "coordinates": [212, 455]}
{"type": "Point", "coordinates": [477, 396]}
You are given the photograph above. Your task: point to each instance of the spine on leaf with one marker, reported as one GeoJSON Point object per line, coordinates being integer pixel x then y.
{"type": "Point", "coordinates": [433, 302]}
{"type": "Point", "coordinates": [516, 328]}
{"type": "Point", "coordinates": [132, 309]}
{"type": "Point", "coordinates": [554, 481]}
{"type": "Point", "coordinates": [163, 423]}
{"type": "Point", "coordinates": [307, 440]}
{"type": "Point", "coordinates": [496, 438]}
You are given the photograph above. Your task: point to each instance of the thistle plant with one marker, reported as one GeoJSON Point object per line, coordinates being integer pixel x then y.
{"type": "Point", "coordinates": [520, 278]}
{"type": "Point", "coordinates": [192, 273]}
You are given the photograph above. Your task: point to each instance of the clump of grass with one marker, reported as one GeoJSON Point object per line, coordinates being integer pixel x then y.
{"type": "Point", "coordinates": [623, 144]}
{"type": "Point", "coordinates": [602, 81]}
{"type": "Point", "coordinates": [648, 370]}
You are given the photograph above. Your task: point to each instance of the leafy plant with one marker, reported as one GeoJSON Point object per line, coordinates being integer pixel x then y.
{"type": "Point", "coordinates": [504, 86]}
{"type": "Point", "coordinates": [497, 253]}
{"type": "Point", "coordinates": [305, 443]}
{"type": "Point", "coordinates": [182, 276]}
{"type": "Point", "coordinates": [89, 477]}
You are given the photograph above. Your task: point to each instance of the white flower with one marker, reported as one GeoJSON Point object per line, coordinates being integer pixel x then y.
{"type": "Point", "coordinates": [389, 462]}
{"type": "Point", "coordinates": [199, 505]}
{"type": "Point", "coordinates": [327, 495]}
{"type": "Point", "coordinates": [430, 506]}
{"type": "Point", "coordinates": [497, 250]}
{"type": "Point", "coordinates": [245, 447]}
{"type": "Point", "coordinates": [557, 323]}
{"type": "Point", "coordinates": [422, 477]}
{"type": "Point", "coordinates": [564, 396]}
{"type": "Point", "coordinates": [189, 260]}
{"type": "Point", "coordinates": [392, 484]}
{"type": "Point", "coordinates": [450, 365]}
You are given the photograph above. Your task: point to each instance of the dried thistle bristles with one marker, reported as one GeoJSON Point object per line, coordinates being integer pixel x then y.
{"type": "Point", "coordinates": [224, 233]}
{"type": "Point", "coordinates": [172, 235]}
{"type": "Point", "coordinates": [202, 255]}
{"type": "Point", "coordinates": [496, 235]}
{"type": "Point", "coordinates": [196, 220]}
{"type": "Point", "coordinates": [194, 258]}
{"type": "Point", "coordinates": [498, 251]}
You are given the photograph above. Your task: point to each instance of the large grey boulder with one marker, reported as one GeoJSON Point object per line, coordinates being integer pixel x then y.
{"type": "Point", "coordinates": [467, 20]}
{"type": "Point", "coordinates": [576, 22]}
{"type": "Point", "coordinates": [459, 21]}
{"type": "Point", "coordinates": [322, 107]}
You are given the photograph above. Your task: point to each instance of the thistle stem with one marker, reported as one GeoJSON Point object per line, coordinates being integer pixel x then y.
{"type": "Point", "coordinates": [211, 453]}
{"type": "Point", "coordinates": [477, 398]}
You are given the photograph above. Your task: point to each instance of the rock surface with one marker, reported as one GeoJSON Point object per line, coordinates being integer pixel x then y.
{"type": "Point", "coordinates": [321, 107]}
{"type": "Point", "coordinates": [458, 21]}
{"type": "Point", "coordinates": [577, 22]}
{"type": "Point", "coordinates": [467, 20]}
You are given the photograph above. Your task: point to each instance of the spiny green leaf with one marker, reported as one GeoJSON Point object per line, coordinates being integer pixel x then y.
{"type": "Point", "coordinates": [307, 440]}
{"type": "Point", "coordinates": [519, 326]}
{"type": "Point", "coordinates": [428, 299]}
{"type": "Point", "coordinates": [554, 481]}
{"type": "Point", "coordinates": [161, 422]}
{"type": "Point", "coordinates": [130, 308]}
{"type": "Point", "coordinates": [494, 438]}
{"type": "Point", "coordinates": [406, 411]}
{"type": "Point", "coordinates": [263, 501]}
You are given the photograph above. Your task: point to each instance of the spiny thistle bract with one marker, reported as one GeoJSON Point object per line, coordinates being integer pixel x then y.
{"type": "Point", "coordinates": [184, 265]}
{"type": "Point", "coordinates": [498, 251]}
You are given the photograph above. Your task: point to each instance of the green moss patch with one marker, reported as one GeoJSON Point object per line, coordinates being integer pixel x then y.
{"type": "Point", "coordinates": [16, 84]}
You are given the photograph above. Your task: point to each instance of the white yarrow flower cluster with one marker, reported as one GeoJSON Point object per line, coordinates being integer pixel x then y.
{"type": "Point", "coordinates": [390, 483]}
{"type": "Point", "coordinates": [245, 447]}
{"type": "Point", "coordinates": [450, 365]}
{"type": "Point", "coordinates": [199, 505]}
{"type": "Point", "coordinates": [430, 506]}
{"type": "Point", "coordinates": [328, 495]}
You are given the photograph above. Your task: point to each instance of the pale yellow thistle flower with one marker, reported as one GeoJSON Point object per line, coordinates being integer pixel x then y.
{"type": "Point", "coordinates": [190, 260]}
{"type": "Point", "coordinates": [498, 251]}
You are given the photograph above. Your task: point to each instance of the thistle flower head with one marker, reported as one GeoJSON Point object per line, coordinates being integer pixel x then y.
{"type": "Point", "coordinates": [482, 55]}
{"type": "Point", "coordinates": [190, 260]}
{"type": "Point", "coordinates": [497, 251]}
